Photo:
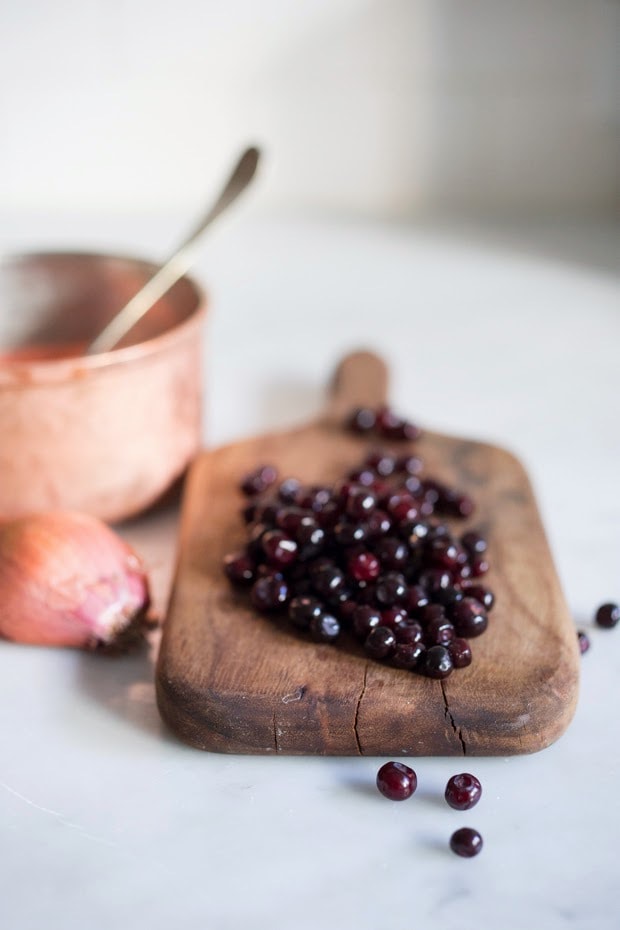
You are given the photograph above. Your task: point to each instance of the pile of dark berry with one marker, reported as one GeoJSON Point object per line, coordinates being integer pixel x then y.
{"type": "Point", "coordinates": [371, 554]}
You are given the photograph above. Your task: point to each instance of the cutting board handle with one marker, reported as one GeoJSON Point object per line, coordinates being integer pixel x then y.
{"type": "Point", "coordinates": [360, 380]}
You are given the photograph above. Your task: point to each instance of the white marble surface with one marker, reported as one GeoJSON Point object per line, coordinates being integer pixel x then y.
{"type": "Point", "coordinates": [106, 820]}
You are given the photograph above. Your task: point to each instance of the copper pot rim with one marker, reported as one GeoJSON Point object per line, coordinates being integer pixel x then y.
{"type": "Point", "coordinates": [59, 368]}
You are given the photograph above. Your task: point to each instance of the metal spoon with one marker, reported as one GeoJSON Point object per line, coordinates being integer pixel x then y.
{"type": "Point", "coordinates": [178, 263]}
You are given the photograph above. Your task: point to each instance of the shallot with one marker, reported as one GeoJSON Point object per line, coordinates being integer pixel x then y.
{"type": "Point", "coordinates": [67, 579]}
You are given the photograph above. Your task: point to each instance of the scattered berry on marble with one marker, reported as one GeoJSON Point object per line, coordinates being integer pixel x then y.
{"type": "Point", "coordinates": [463, 791]}
{"type": "Point", "coordinates": [607, 616]}
{"type": "Point", "coordinates": [583, 641]}
{"type": "Point", "coordinates": [466, 842]}
{"type": "Point", "coordinates": [396, 781]}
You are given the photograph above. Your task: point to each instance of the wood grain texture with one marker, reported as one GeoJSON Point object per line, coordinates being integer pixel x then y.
{"type": "Point", "coordinates": [231, 680]}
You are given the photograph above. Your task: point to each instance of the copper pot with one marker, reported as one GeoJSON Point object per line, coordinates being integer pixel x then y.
{"type": "Point", "coordinates": [108, 433]}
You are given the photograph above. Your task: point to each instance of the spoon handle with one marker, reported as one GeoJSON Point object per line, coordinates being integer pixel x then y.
{"type": "Point", "coordinates": [178, 263]}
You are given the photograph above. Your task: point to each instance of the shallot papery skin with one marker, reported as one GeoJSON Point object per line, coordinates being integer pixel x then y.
{"type": "Point", "coordinates": [67, 579]}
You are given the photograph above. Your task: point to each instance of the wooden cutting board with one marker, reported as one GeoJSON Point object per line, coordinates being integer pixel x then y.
{"type": "Point", "coordinates": [231, 680]}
